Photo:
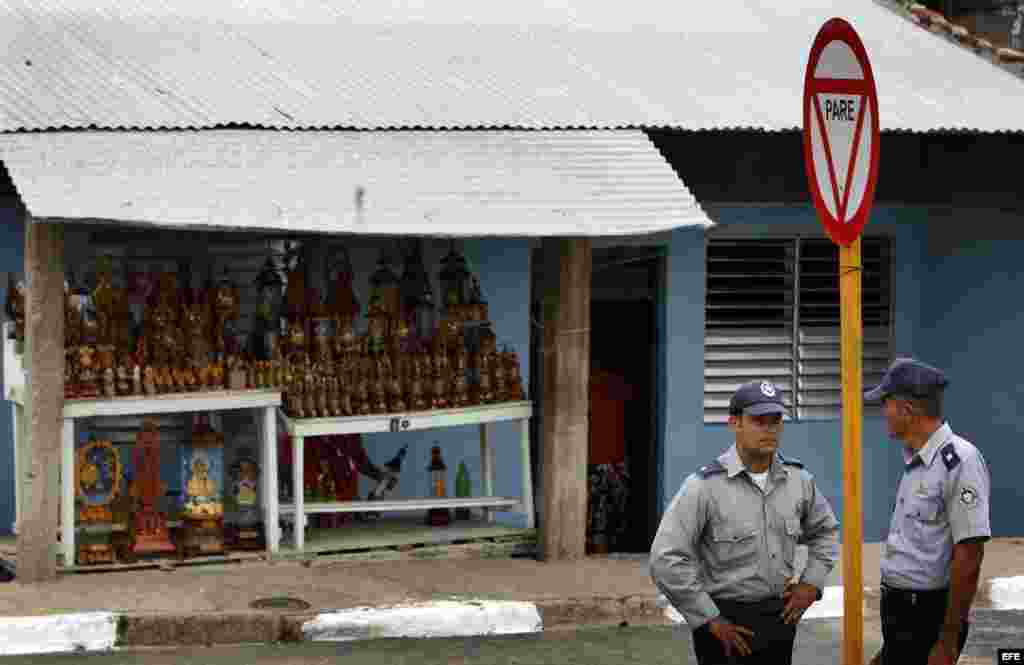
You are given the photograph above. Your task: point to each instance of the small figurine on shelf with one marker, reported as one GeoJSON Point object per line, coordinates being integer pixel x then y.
{"type": "Point", "coordinates": [136, 379]}
{"type": "Point", "coordinates": [149, 383]}
{"type": "Point", "coordinates": [437, 469]}
{"type": "Point", "coordinates": [124, 378]}
{"type": "Point", "coordinates": [462, 490]}
{"type": "Point", "coordinates": [514, 381]}
{"type": "Point", "coordinates": [88, 376]}
{"type": "Point", "coordinates": [460, 384]}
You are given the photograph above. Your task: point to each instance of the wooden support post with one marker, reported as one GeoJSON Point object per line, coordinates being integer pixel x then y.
{"type": "Point", "coordinates": [44, 401]}
{"type": "Point", "coordinates": [853, 398]}
{"type": "Point", "coordinates": [566, 367]}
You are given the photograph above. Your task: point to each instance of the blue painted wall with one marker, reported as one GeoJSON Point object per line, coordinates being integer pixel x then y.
{"type": "Point", "coordinates": [974, 326]}
{"type": "Point", "coordinates": [689, 443]}
{"type": "Point", "coordinates": [12, 244]}
{"type": "Point", "coordinates": [503, 266]}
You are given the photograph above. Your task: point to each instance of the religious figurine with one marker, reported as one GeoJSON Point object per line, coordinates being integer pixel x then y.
{"type": "Point", "coordinates": [149, 383]}
{"type": "Point", "coordinates": [299, 398]}
{"type": "Point", "coordinates": [246, 523]}
{"type": "Point", "coordinates": [325, 481]}
{"type": "Point", "coordinates": [151, 534]}
{"type": "Point", "coordinates": [513, 379]}
{"type": "Point", "coordinates": [109, 383]}
{"type": "Point", "coordinates": [361, 402]}
{"type": "Point", "coordinates": [203, 509]}
{"type": "Point", "coordinates": [485, 388]}
{"type": "Point", "coordinates": [460, 382]}
{"type": "Point", "coordinates": [98, 475]}
{"type": "Point", "coordinates": [103, 299]}
{"type": "Point", "coordinates": [309, 390]}
{"type": "Point", "coordinates": [333, 397]}
{"type": "Point", "coordinates": [226, 304]}
{"type": "Point", "coordinates": [216, 376]}
{"type": "Point", "coordinates": [195, 324]}
{"type": "Point", "coordinates": [72, 319]}
{"type": "Point", "coordinates": [499, 380]}
{"type": "Point", "coordinates": [236, 378]}
{"type": "Point", "coordinates": [136, 380]}
{"type": "Point", "coordinates": [165, 380]}
{"type": "Point", "coordinates": [70, 373]}
{"type": "Point", "coordinates": [87, 373]}
{"type": "Point", "coordinates": [124, 379]}
{"type": "Point", "coordinates": [396, 396]}
{"type": "Point", "coordinates": [296, 340]}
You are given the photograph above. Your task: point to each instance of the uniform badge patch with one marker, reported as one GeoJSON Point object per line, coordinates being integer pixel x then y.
{"type": "Point", "coordinates": [767, 389]}
{"type": "Point", "coordinates": [968, 496]}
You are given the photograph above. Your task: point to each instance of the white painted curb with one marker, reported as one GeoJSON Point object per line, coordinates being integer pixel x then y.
{"type": "Point", "coordinates": [92, 631]}
{"type": "Point", "coordinates": [439, 619]}
{"type": "Point", "coordinates": [1006, 593]}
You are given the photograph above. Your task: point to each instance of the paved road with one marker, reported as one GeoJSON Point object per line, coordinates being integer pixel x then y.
{"type": "Point", "coordinates": [819, 641]}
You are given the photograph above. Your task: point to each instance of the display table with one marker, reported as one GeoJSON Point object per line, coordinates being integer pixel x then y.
{"type": "Point", "coordinates": [266, 401]}
{"type": "Point", "coordinates": [484, 416]}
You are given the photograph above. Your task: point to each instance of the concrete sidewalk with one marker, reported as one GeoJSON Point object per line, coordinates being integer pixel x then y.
{"type": "Point", "coordinates": [349, 600]}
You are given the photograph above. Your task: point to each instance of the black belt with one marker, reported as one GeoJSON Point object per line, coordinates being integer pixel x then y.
{"type": "Point", "coordinates": [914, 596]}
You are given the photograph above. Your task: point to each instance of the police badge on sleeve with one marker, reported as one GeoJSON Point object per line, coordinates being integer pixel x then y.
{"type": "Point", "coordinates": [969, 496]}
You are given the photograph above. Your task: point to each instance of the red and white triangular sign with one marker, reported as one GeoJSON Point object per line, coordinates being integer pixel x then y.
{"type": "Point", "coordinates": [840, 130]}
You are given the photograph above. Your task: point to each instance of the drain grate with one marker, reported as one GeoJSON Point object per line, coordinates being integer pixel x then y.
{"type": "Point", "coordinates": [279, 603]}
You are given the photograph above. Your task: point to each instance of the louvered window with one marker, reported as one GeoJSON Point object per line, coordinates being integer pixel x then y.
{"type": "Point", "coordinates": [759, 292]}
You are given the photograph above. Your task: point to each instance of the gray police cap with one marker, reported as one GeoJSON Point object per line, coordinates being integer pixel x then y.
{"type": "Point", "coordinates": [757, 398]}
{"type": "Point", "coordinates": [909, 377]}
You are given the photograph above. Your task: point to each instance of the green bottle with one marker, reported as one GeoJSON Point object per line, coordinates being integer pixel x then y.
{"type": "Point", "coordinates": [462, 489]}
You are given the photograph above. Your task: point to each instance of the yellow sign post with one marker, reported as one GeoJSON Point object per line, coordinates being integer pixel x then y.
{"type": "Point", "coordinates": [853, 401]}
{"type": "Point", "coordinates": [841, 150]}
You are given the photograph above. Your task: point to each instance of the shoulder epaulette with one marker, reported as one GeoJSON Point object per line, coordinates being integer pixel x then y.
{"type": "Point", "coordinates": [711, 469]}
{"type": "Point", "coordinates": [949, 456]}
{"type": "Point", "coordinates": [791, 461]}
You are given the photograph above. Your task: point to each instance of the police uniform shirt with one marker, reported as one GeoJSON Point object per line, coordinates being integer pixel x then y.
{"type": "Point", "coordinates": [723, 537]}
{"type": "Point", "coordinates": [942, 499]}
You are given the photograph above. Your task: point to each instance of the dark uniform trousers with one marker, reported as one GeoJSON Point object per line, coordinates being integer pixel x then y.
{"type": "Point", "coordinates": [911, 622]}
{"type": "Point", "coordinates": [772, 641]}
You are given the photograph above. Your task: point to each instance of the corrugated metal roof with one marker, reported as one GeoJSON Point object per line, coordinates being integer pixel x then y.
{"type": "Point", "coordinates": [378, 64]}
{"type": "Point", "coordinates": [458, 183]}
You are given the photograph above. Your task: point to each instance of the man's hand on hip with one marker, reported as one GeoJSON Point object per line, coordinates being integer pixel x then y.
{"type": "Point", "coordinates": [731, 636]}
{"type": "Point", "coordinates": [798, 598]}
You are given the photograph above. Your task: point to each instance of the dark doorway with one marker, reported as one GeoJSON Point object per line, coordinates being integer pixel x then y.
{"type": "Point", "coordinates": [625, 296]}
{"type": "Point", "coordinates": [623, 344]}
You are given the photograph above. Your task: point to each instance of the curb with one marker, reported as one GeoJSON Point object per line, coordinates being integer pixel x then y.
{"type": "Point", "coordinates": [110, 631]}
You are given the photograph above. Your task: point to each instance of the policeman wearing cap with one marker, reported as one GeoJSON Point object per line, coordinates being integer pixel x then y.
{"type": "Point", "coordinates": [724, 552]}
{"type": "Point", "coordinates": [932, 555]}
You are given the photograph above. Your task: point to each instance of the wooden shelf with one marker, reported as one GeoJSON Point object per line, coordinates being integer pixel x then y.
{"type": "Point", "coordinates": [210, 400]}
{"type": "Point", "coordinates": [407, 421]}
{"type": "Point", "coordinates": [398, 505]}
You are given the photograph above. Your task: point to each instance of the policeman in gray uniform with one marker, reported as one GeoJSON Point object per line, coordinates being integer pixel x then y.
{"type": "Point", "coordinates": [932, 556]}
{"type": "Point", "coordinates": [724, 552]}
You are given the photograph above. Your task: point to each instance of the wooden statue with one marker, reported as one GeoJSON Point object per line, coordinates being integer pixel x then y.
{"type": "Point", "coordinates": [195, 323]}
{"type": "Point", "coordinates": [103, 299]}
{"type": "Point", "coordinates": [460, 382]}
{"type": "Point", "coordinates": [88, 386]}
{"type": "Point", "coordinates": [151, 534]}
{"type": "Point", "coordinates": [149, 382]}
{"type": "Point", "coordinates": [124, 378]}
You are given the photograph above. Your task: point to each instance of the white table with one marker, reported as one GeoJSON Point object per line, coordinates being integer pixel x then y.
{"type": "Point", "coordinates": [484, 415]}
